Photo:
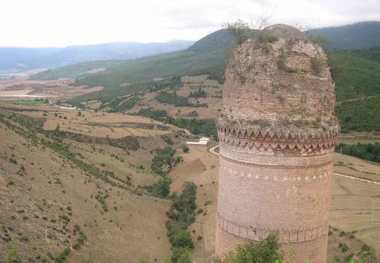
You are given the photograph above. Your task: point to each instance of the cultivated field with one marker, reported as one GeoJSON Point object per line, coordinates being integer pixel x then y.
{"type": "Point", "coordinates": [22, 88]}
{"type": "Point", "coordinates": [213, 95]}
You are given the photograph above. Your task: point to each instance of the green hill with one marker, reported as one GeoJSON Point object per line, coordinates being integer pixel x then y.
{"type": "Point", "coordinates": [356, 36]}
{"type": "Point", "coordinates": [356, 73]}
{"type": "Point", "coordinates": [357, 77]}
{"type": "Point", "coordinates": [207, 56]}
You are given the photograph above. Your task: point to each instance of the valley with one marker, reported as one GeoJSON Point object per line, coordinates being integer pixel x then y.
{"type": "Point", "coordinates": [86, 197]}
{"type": "Point", "coordinates": [93, 156]}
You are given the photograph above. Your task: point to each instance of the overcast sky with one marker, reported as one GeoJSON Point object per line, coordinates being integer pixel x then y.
{"type": "Point", "coordinates": [36, 23]}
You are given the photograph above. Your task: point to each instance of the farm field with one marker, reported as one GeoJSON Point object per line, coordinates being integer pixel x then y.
{"type": "Point", "coordinates": [53, 90]}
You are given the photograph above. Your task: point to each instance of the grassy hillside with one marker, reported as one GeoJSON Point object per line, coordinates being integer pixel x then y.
{"type": "Point", "coordinates": [127, 77]}
{"type": "Point", "coordinates": [75, 199]}
{"type": "Point", "coordinates": [356, 73]}
{"type": "Point", "coordinates": [357, 77]}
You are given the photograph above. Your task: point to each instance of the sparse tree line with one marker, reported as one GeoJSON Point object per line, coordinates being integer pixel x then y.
{"type": "Point", "coordinates": [179, 101]}
{"type": "Point", "coordinates": [180, 216]}
{"type": "Point", "coordinates": [369, 152]}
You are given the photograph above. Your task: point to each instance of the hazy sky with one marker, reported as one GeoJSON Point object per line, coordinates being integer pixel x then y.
{"type": "Point", "coordinates": [33, 23]}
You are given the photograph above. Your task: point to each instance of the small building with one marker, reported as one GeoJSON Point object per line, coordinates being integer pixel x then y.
{"type": "Point", "coordinates": [202, 141]}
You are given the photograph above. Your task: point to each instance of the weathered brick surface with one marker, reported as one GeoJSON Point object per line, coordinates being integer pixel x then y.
{"type": "Point", "coordinates": [277, 134]}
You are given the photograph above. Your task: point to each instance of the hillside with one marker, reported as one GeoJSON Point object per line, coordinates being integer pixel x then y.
{"type": "Point", "coordinates": [77, 193]}
{"type": "Point", "coordinates": [357, 77]}
{"type": "Point", "coordinates": [206, 55]}
{"type": "Point", "coordinates": [126, 77]}
{"type": "Point", "coordinates": [356, 36]}
{"type": "Point", "coordinates": [74, 189]}
{"type": "Point", "coordinates": [17, 59]}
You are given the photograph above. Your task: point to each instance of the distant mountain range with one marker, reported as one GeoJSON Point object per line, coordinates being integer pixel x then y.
{"type": "Point", "coordinates": [208, 55]}
{"type": "Point", "coordinates": [18, 59]}
{"type": "Point", "coordinates": [355, 36]}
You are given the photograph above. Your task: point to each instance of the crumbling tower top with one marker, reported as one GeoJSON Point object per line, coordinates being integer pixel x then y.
{"type": "Point", "coordinates": [279, 81]}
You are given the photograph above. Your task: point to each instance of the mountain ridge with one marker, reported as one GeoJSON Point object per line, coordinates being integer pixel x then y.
{"type": "Point", "coordinates": [16, 59]}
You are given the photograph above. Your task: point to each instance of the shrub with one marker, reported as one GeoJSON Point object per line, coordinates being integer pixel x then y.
{"type": "Point", "coordinates": [161, 188]}
{"type": "Point", "coordinates": [180, 238]}
{"type": "Point", "coordinates": [259, 252]}
{"type": "Point", "coordinates": [163, 161]}
{"type": "Point", "coordinates": [167, 139]}
{"type": "Point", "coordinates": [185, 148]}
{"type": "Point", "coordinates": [181, 255]}
{"type": "Point", "coordinates": [240, 30]}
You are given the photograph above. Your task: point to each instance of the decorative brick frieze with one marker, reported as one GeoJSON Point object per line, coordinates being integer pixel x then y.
{"type": "Point", "coordinates": [265, 140]}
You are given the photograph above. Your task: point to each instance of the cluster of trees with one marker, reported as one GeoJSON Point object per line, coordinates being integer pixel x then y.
{"type": "Point", "coordinates": [370, 151]}
{"type": "Point", "coordinates": [173, 99]}
{"type": "Point", "coordinates": [206, 127]}
{"type": "Point", "coordinates": [163, 161]}
{"type": "Point", "coordinates": [121, 104]}
{"type": "Point", "coordinates": [178, 101]}
{"type": "Point", "coordinates": [181, 215]}
{"type": "Point", "coordinates": [200, 93]}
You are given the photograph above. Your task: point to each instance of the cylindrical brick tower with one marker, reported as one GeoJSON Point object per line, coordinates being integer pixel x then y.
{"type": "Point", "coordinates": [277, 134]}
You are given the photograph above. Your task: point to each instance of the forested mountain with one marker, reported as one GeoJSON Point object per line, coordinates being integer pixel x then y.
{"type": "Point", "coordinates": [356, 36]}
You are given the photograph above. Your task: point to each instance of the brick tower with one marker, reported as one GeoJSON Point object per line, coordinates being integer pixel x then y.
{"type": "Point", "coordinates": [277, 134]}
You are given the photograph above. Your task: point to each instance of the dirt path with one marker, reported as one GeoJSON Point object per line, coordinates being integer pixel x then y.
{"type": "Point", "coordinates": [358, 179]}
{"type": "Point", "coordinates": [357, 99]}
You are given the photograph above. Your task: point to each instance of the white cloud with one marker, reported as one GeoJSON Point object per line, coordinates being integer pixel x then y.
{"type": "Point", "coordinates": [66, 22]}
